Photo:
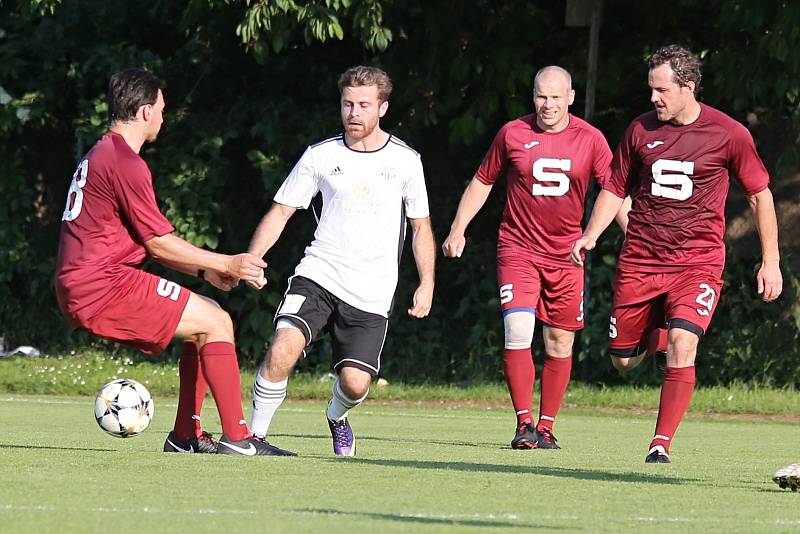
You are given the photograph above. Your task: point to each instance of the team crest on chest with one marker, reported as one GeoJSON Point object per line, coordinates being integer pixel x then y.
{"type": "Point", "coordinates": [388, 173]}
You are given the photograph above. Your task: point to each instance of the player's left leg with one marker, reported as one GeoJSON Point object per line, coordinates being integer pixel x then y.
{"type": "Point", "coordinates": [358, 339]}
{"type": "Point", "coordinates": [555, 379]}
{"type": "Point", "coordinates": [690, 303]}
{"type": "Point", "coordinates": [677, 389]}
{"type": "Point", "coordinates": [561, 311]}
{"type": "Point", "coordinates": [349, 390]}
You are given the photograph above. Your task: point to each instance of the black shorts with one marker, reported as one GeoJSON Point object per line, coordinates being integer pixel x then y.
{"type": "Point", "coordinates": [358, 336]}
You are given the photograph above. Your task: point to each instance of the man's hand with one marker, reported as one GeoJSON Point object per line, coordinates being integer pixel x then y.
{"type": "Point", "coordinates": [221, 281]}
{"type": "Point", "coordinates": [769, 281]}
{"type": "Point", "coordinates": [258, 284]}
{"type": "Point", "coordinates": [580, 248]}
{"type": "Point", "coordinates": [247, 267]}
{"type": "Point", "coordinates": [423, 297]}
{"type": "Point", "coordinates": [454, 245]}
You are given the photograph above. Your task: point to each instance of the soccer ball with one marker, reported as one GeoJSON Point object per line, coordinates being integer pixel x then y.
{"type": "Point", "coordinates": [123, 408]}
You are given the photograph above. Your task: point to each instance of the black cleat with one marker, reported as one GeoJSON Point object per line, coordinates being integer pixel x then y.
{"type": "Point", "coordinates": [525, 438]}
{"type": "Point", "coordinates": [205, 444]}
{"type": "Point", "coordinates": [657, 455]}
{"type": "Point", "coordinates": [661, 362]}
{"type": "Point", "coordinates": [788, 477]}
{"type": "Point", "coordinates": [252, 446]}
{"type": "Point", "coordinates": [546, 439]}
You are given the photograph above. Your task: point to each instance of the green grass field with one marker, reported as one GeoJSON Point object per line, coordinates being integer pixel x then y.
{"type": "Point", "coordinates": [419, 469]}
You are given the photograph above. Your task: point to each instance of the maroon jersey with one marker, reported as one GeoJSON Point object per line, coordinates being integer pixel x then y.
{"type": "Point", "coordinates": [547, 178]}
{"type": "Point", "coordinates": [111, 212]}
{"type": "Point", "coordinates": [678, 179]}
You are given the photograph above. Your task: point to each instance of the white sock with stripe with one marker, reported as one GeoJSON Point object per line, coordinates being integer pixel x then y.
{"type": "Point", "coordinates": [267, 398]}
{"type": "Point", "coordinates": [341, 404]}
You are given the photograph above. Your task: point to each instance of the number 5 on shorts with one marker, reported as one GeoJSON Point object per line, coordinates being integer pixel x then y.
{"type": "Point", "coordinates": [506, 293]}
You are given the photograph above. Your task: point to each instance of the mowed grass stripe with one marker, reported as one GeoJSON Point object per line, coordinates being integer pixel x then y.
{"type": "Point", "coordinates": [419, 468]}
{"type": "Point", "coordinates": [419, 515]}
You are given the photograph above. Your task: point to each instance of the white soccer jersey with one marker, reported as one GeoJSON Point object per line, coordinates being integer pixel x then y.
{"type": "Point", "coordinates": [366, 197]}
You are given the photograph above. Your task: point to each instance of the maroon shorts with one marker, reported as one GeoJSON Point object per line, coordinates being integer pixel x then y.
{"type": "Point", "coordinates": [143, 314]}
{"type": "Point", "coordinates": [554, 294]}
{"type": "Point", "coordinates": [642, 301]}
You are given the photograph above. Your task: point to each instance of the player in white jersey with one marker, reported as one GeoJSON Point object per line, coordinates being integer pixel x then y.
{"type": "Point", "coordinates": [370, 183]}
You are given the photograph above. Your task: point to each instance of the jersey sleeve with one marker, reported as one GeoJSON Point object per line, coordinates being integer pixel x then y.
{"type": "Point", "coordinates": [623, 166]}
{"type": "Point", "coordinates": [301, 185]}
{"type": "Point", "coordinates": [415, 194]}
{"type": "Point", "coordinates": [137, 201]}
{"type": "Point", "coordinates": [494, 162]}
{"type": "Point", "coordinates": [601, 164]}
{"type": "Point", "coordinates": [745, 162]}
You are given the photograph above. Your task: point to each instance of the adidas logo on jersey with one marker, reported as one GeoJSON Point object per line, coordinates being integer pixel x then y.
{"type": "Point", "coordinates": [337, 171]}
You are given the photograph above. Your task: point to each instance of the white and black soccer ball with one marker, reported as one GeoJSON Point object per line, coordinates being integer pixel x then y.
{"type": "Point", "coordinates": [123, 408]}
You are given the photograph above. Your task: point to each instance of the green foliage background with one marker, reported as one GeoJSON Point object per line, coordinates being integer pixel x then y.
{"type": "Point", "coordinates": [252, 83]}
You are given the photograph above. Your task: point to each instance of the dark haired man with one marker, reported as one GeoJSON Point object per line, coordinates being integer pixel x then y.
{"type": "Point", "coordinates": [370, 182]}
{"type": "Point", "coordinates": [675, 163]}
{"type": "Point", "coordinates": [110, 226]}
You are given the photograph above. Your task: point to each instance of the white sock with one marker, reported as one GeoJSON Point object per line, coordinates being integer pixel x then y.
{"type": "Point", "coordinates": [341, 404]}
{"type": "Point", "coordinates": [267, 397]}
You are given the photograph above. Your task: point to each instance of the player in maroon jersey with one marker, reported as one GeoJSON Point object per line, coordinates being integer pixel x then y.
{"type": "Point", "coordinates": [110, 226]}
{"type": "Point", "coordinates": [548, 158]}
{"type": "Point", "coordinates": [674, 162]}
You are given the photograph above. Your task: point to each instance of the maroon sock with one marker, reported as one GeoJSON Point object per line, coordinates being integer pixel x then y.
{"type": "Point", "coordinates": [555, 378]}
{"type": "Point", "coordinates": [200, 391]}
{"type": "Point", "coordinates": [190, 398]}
{"type": "Point", "coordinates": [221, 369]}
{"type": "Point", "coordinates": [676, 394]}
{"type": "Point", "coordinates": [520, 376]}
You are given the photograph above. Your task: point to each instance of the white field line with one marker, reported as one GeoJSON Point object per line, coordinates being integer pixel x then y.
{"type": "Point", "coordinates": [8, 507]}
{"type": "Point", "coordinates": [487, 414]}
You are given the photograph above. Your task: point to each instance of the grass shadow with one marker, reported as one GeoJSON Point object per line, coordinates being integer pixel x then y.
{"type": "Point", "coordinates": [455, 443]}
{"type": "Point", "coordinates": [8, 446]}
{"type": "Point", "coordinates": [560, 472]}
{"type": "Point", "coordinates": [429, 520]}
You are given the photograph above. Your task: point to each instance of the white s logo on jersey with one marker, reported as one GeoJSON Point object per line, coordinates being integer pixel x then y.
{"type": "Point", "coordinates": [559, 178]}
{"type": "Point", "coordinates": [676, 185]}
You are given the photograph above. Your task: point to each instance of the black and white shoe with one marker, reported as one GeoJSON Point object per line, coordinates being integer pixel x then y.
{"type": "Point", "coordinates": [657, 455]}
{"type": "Point", "coordinates": [205, 444]}
{"type": "Point", "coordinates": [546, 439]}
{"type": "Point", "coordinates": [252, 446]}
{"type": "Point", "coordinates": [525, 437]}
{"type": "Point", "coordinates": [788, 477]}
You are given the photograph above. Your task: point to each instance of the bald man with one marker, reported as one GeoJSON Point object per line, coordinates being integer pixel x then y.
{"type": "Point", "coordinates": [548, 158]}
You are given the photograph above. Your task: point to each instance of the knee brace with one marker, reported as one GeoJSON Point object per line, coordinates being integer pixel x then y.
{"type": "Point", "coordinates": [518, 327]}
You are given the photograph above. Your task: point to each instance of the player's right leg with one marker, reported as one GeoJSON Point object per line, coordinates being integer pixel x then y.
{"type": "Point", "coordinates": [301, 317]}
{"type": "Point", "coordinates": [520, 287]}
{"type": "Point", "coordinates": [187, 434]}
{"type": "Point", "coordinates": [636, 306]}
